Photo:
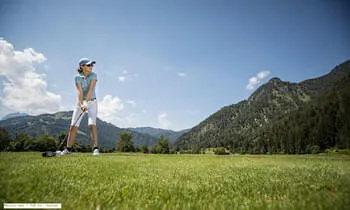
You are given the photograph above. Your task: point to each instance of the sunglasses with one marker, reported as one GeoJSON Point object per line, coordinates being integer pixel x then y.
{"type": "Point", "coordinates": [89, 65]}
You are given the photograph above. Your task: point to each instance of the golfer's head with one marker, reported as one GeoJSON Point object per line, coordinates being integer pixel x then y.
{"type": "Point", "coordinates": [86, 64]}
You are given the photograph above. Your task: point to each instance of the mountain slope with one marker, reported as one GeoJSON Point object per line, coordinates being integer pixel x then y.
{"type": "Point", "coordinates": [270, 102]}
{"type": "Point", "coordinates": [315, 127]}
{"type": "Point", "coordinates": [53, 124]}
{"type": "Point", "coordinates": [158, 132]}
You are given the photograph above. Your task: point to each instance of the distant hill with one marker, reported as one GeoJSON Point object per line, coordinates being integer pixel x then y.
{"type": "Point", "coordinates": [53, 124]}
{"type": "Point", "coordinates": [241, 126]}
{"type": "Point", "coordinates": [16, 114]}
{"type": "Point", "coordinates": [158, 132]}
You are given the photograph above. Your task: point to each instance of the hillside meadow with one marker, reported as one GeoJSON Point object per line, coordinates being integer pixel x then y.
{"type": "Point", "coordinates": [146, 181]}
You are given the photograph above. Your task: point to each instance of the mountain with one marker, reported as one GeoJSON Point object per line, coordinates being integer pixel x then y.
{"type": "Point", "coordinates": [241, 125]}
{"type": "Point", "coordinates": [53, 124]}
{"type": "Point", "coordinates": [158, 132]}
{"type": "Point", "coordinates": [16, 114]}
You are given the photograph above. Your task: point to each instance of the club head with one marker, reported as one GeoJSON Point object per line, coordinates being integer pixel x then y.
{"type": "Point", "coordinates": [49, 154]}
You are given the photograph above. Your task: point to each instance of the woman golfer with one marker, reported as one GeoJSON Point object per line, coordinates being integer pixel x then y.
{"type": "Point", "coordinates": [85, 83]}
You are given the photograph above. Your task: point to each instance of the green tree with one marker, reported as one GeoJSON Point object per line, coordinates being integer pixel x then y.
{"type": "Point", "coordinates": [162, 146]}
{"type": "Point", "coordinates": [20, 143]}
{"type": "Point", "coordinates": [4, 139]}
{"type": "Point", "coordinates": [220, 151]}
{"type": "Point", "coordinates": [143, 149]}
{"type": "Point", "coordinates": [45, 143]}
{"type": "Point", "coordinates": [125, 143]}
{"type": "Point", "coordinates": [85, 148]}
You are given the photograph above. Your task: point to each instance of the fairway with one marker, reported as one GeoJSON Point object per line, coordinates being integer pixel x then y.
{"type": "Point", "coordinates": [145, 181]}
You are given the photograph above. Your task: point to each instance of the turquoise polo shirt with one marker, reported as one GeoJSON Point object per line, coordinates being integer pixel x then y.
{"type": "Point", "coordinates": [85, 83]}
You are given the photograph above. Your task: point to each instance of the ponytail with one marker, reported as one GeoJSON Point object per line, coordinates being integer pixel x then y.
{"type": "Point", "coordinates": [79, 70]}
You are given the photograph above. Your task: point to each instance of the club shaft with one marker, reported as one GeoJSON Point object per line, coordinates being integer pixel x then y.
{"type": "Point", "coordinates": [70, 127]}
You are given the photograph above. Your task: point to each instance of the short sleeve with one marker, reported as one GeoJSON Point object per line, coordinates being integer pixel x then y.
{"type": "Point", "coordinates": [77, 79]}
{"type": "Point", "coordinates": [93, 76]}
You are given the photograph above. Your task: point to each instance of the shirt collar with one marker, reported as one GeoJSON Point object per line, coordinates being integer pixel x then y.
{"type": "Point", "coordinates": [82, 74]}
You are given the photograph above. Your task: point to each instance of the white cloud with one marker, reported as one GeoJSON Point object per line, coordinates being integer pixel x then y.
{"type": "Point", "coordinates": [113, 110]}
{"type": "Point", "coordinates": [109, 107]}
{"type": "Point", "coordinates": [256, 80]}
{"type": "Point", "coordinates": [24, 90]}
{"type": "Point", "coordinates": [181, 74]}
{"type": "Point", "coordinates": [132, 103]}
{"type": "Point", "coordinates": [263, 74]}
{"type": "Point", "coordinates": [126, 76]}
{"type": "Point", "coordinates": [163, 121]}
{"type": "Point", "coordinates": [122, 78]}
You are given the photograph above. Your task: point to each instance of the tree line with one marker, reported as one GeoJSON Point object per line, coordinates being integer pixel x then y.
{"type": "Point", "coordinates": [24, 142]}
{"type": "Point", "coordinates": [126, 144]}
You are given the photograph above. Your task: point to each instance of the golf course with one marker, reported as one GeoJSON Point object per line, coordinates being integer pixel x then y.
{"type": "Point", "coordinates": [154, 181]}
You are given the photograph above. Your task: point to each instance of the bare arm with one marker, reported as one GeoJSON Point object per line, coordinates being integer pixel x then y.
{"type": "Point", "coordinates": [80, 94]}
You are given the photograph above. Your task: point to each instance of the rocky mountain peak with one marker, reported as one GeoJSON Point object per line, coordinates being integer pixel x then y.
{"type": "Point", "coordinates": [341, 68]}
{"type": "Point", "coordinates": [275, 80]}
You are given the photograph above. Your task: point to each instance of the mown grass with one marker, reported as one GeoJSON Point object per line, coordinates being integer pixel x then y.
{"type": "Point", "coordinates": [138, 181]}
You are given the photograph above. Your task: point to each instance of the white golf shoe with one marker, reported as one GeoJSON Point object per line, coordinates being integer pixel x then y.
{"type": "Point", "coordinates": [96, 152]}
{"type": "Point", "coordinates": [66, 152]}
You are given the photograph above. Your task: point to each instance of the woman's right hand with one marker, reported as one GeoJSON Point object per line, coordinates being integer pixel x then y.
{"type": "Point", "coordinates": [84, 106]}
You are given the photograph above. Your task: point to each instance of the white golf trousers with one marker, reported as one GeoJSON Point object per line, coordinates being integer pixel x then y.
{"type": "Point", "coordinates": [92, 113]}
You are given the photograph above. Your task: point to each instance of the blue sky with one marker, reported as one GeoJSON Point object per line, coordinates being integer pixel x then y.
{"type": "Point", "coordinates": [167, 64]}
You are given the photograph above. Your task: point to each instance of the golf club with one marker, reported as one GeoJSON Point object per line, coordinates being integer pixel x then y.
{"type": "Point", "coordinates": [58, 152]}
